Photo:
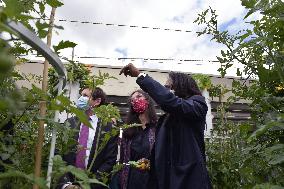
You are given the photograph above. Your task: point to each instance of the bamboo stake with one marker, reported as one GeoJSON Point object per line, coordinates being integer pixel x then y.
{"type": "Point", "coordinates": [42, 104]}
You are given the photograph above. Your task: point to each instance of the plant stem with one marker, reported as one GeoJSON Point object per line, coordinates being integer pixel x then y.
{"type": "Point", "coordinates": [96, 149]}
{"type": "Point", "coordinates": [42, 105]}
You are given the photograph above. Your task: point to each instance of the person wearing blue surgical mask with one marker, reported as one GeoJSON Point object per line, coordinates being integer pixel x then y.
{"type": "Point", "coordinates": [83, 101]}
{"type": "Point", "coordinates": [87, 142]}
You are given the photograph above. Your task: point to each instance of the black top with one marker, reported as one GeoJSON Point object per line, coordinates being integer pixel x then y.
{"type": "Point", "coordinates": [134, 149]}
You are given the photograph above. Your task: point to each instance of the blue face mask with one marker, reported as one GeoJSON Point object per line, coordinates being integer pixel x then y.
{"type": "Point", "coordinates": [83, 102]}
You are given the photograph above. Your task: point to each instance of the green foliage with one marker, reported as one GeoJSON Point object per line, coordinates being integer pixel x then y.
{"type": "Point", "coordinates": [63, 103]}
{"type": "Point", "coordinates": [106, 113]}
{"type": "Point", "coordinates": [15, 8]}
{"type": "Point", "coordinates": [82, 177]}
{"type": "Point", "coordinates": [75, 73]}
{"type": "Point", "coordinates": [246, 155]}
{"type": "Point", "coordinates": [19, 107]}
{"type": "Point", "coordinates": [42, 29]}
{"type": "Point", "coordinates": [6, 177]}
{"type": "Point", "coordinates": [218, 91]}
{"type": "Point", "coordinates": [250, 155]}
{"type": "Point", "coordinates": [235, 161]}
{"type": "Point", "coordinates": [267, 186]}
{"type": "Point", "coordinates": [203, 81]}
{"type": "Point", "coordinates": [98, 80]}
{"type": "Point", "coordinates": [78, 73]}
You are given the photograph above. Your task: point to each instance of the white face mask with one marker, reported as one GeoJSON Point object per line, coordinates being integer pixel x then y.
{"type": "Point", "coordinates": [83, 102]}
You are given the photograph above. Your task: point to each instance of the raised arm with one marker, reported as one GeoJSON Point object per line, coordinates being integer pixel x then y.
{"type": "Point", "coordinates": [195, 106]}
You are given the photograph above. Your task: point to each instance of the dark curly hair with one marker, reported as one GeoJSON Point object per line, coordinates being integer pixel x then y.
{"type": "Point", "coordinates": [133, 117]}
{"type": "Point", "coordinates": [99, 93]}
{"type": "Point", "coordinates": [183, 85]}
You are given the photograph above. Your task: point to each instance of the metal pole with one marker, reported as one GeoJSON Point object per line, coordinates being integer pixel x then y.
{"type": "Point", "coordinates": [53, 139]}
{"type": "Point", "coordinates": [42, 105]}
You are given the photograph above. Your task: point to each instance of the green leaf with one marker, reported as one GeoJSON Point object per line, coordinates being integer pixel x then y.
{"type": "Point", "coordinates": [5, 156]}
{"type": "Point", "coordinates": [18, 174]}
{"type": "Point", "coordinates": [54, 3]}
{"type": "Point", "coordinates": [82, 116]}
{"type": "Point", "coordinates": [249, 13]}
{"type": "Point", "coordinates": [41, 29]}
{"type": "Point", "coordinates": [17, 75]}
{"type": "Point", "coordinates": [223, 53]}
{"type": "Point", "coordinates": [277, 158]}
{"type": "Point", "coordinates": [13, 8]}
{"type": "Point", "coordinates": [245, 128]}
{"type": "Point", "coordinates": [249, 3]}
{"type": "Point", "coordinates": [276, 147]}
{"type": "Point", "coordinates": [41, 7]}
{"type": "Point", "coordinates": [222, 71]}
{"type": "Point", "coordinates": [203, 81]}
{"type": "Point", "coordinates": [78, 173]}
{"type": "Point", "coordinates": [39, 92]}
{"type": "Point", "coordinates": [42, 33]}
{"type": "Point", "coordinates": [220, 59]}
{"type": "Point", "coordinates": [239, 73]}
{"type": "Point", "coordinates": [267, 186]}
{"type": "Point", "coordinates": [41, 26]}
{"type": "Point", "coordinates": [59, 27]}
{"type": "Point", "coordinates": [96, 181]}
{"type": "Point", "coordinates": [244, 36]}
{"type": "Point", "coordinates": [64, 44]}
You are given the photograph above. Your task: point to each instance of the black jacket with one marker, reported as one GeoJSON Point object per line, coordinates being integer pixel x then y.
{"type": "Point", "coordinates": [178, 161]}
{"type": "Point", "coordinates": [133, 149]}
{"type": "Point", "coordinates": [105, 160]}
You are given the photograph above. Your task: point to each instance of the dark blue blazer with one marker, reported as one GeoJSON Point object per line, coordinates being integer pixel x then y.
{"type": "Point", "coordinates": [105, 160]}
{"type": "Point", "coordinates": [178, 161]}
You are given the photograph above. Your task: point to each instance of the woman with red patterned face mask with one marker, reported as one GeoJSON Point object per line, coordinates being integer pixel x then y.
{"type": "Point", "coordinates": [179, 160]}
{"type": "Point", "coordinates": [139, 104]}
{"type": "Point", "coordinates": [137, 142]}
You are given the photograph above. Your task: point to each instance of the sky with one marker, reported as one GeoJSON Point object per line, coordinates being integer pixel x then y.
{"type": "Point", "coordinates": [115, 42]}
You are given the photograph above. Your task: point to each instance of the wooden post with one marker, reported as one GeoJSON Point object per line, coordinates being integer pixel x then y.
{"type": "Point", "coordinates": [42, 105]}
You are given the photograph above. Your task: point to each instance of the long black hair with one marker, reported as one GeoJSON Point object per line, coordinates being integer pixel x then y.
{"type": "Point", "coordinates": [183, 85]}
{"type": "Point", "coordinates": [133, 117]}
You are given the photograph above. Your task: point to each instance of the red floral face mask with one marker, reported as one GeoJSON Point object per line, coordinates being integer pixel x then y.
{"type": "Point", "coordinates": [139, 105]}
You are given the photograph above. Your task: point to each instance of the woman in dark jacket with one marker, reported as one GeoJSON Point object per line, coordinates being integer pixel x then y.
{"type": "Point", "coordinates": [137, 142]}
{"type": "Point", "coordinates": [178, 161]}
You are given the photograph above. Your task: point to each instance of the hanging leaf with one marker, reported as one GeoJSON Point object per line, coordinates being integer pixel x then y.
{"type": "Point", "coordinates": [54, 3]}
{"type": "Point", "coordinates": [59, 27]}
{"type": "Point", "coordinates": [63, 45]}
